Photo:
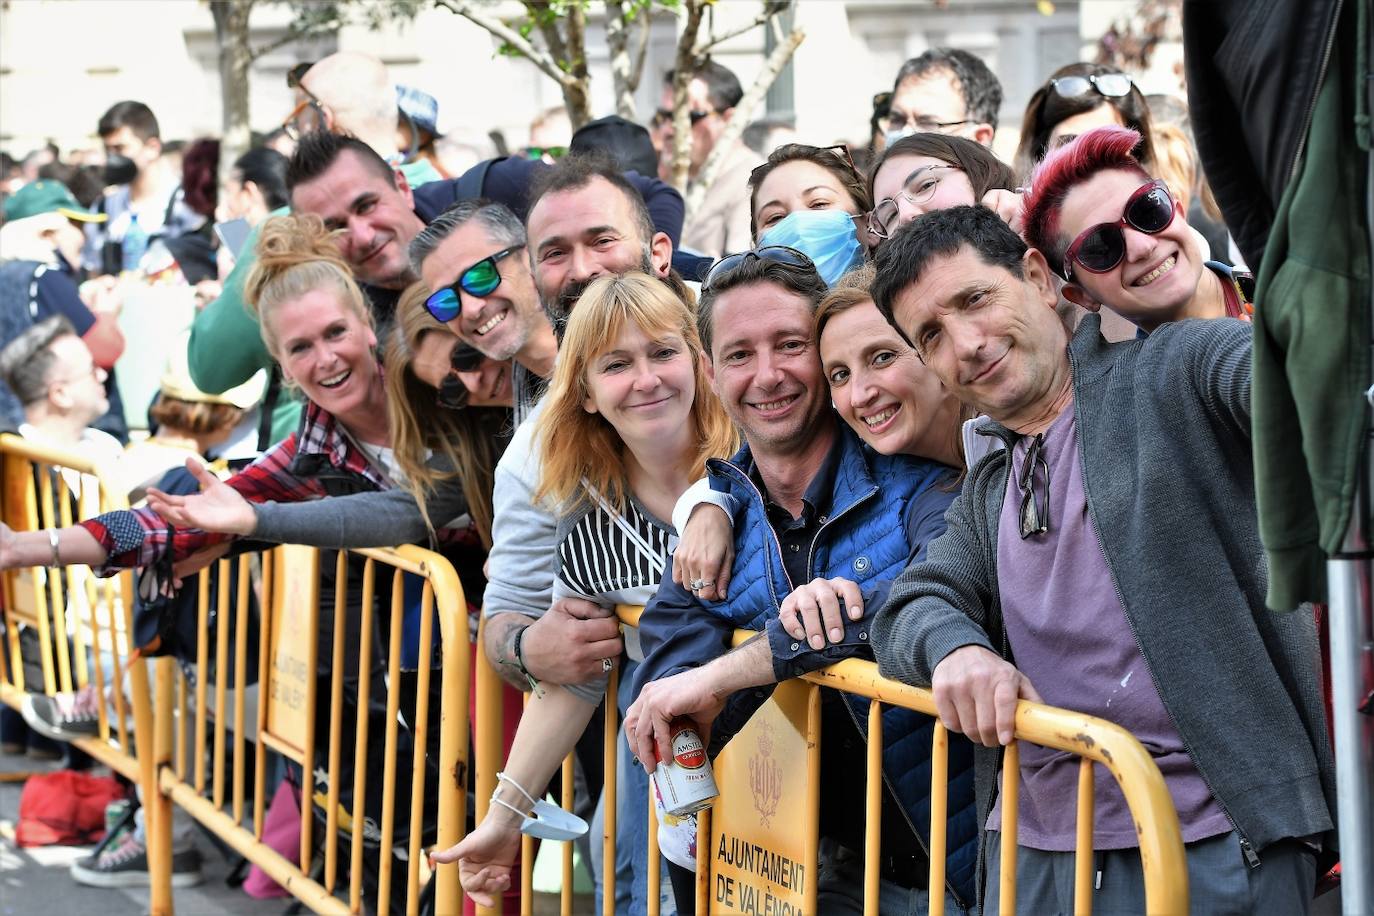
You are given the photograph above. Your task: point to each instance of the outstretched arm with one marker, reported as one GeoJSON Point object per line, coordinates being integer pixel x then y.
{"type": "Point", "coordinates": [549, 728]}
{"type": "Point", "coordinates": [75, 547]}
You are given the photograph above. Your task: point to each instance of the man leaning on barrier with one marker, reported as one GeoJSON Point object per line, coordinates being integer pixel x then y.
{"type": "Point", "coordinates": [816, 505]}
{"type": "Point", "coordinates": [1117, 560]}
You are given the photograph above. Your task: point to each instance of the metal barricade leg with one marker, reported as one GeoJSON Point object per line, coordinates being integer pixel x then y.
{"type": "Point", "coordinates": [153, 756]}
{"type": "Point", "coordinates": [1348, 581]}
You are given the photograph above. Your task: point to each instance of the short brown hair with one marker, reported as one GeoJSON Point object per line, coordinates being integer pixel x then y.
{"type": "Point", "coordinates": [196, 417]}
{"type": "Point", "coordinates": [828, 159]}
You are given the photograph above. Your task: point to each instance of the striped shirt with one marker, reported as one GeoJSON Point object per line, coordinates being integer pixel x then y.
{"type": "Point", "coordinates": [600, 559]}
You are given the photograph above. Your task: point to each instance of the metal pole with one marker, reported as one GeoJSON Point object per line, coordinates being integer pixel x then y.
{"type": "Point", "coordinates": [1348, 581]}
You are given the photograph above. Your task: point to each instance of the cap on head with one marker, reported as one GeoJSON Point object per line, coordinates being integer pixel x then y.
{"type": "Point", "coordinates": [421, 108]}
{"type": "Point", "coordinates": [624, 141]}
{"type": "Point", "coordinates": [46, 196]}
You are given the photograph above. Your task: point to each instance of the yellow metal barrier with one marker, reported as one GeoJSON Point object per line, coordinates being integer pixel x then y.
{"type": "Point", "coordinates": [288, 670]}
{"type": "Point", "coordinates": [80, 622]}
{"type": "Point", "coordinates": [1094, 740]}
{"type": "Point", "coordinates": [185, 756]}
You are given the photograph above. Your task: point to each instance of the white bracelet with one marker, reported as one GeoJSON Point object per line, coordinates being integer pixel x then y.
{"type": "Point", "coordinates": [503, 778]}
{"type": "Point", "coordinates": [53, 542]}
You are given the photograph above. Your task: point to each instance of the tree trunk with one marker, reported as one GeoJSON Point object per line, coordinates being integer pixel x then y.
{"type": "Point", "coordinates": [684, 66]}
{"type": "Point", "coordinates": [235, 59]}
{"type": "Point", "coordinates": [740, 119]}
{"type": "Point", "coordinates": [577, 94]}
{"type": "Point", "coordinates": [622, 67]}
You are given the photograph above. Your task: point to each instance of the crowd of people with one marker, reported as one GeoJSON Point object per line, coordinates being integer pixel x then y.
{"type": "Point", "coordinates": [987, 423]}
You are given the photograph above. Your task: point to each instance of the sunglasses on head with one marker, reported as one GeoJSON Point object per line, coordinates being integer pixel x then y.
{"type": "Point", "coordinates": [453, 394]}
{"type": "Point", "coordinates": [1109, 85]}
{"type": "Point", "coordinates": [481, 279]}
{"type": "Point", "coordinates": [779, 254]}
{"type": "Point", "coordinates": [1100, 248]}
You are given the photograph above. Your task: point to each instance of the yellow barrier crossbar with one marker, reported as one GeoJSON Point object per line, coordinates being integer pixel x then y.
{"type": "Point", "coordinates": [1092, 739]}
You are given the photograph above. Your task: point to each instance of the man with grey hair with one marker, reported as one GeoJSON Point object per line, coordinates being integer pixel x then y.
{"type": "Point", "coordinates": [947, 91]}
{"type": "Point", "coordinates": [473, 259]}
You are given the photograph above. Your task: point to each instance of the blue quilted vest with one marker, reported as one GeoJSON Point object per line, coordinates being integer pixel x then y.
{"type": "Point", "coordinates": [862, 538]}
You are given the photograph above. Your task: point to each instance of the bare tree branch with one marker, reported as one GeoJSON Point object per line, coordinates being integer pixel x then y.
{"type": "Point", "coordinates": [290, 36]}
{"type": "Point", "coordinates": [740, 119]}
{"type": "Point", "coordinates": [547, 24]}
{"type": "Point", "coordinates": [470, 11]}
{"type": "Point", "coordinates": [646, 26]}
{"type": "Point", "coordinates": [705, 47]}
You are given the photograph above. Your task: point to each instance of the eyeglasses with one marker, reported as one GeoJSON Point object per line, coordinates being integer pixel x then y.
{"type": "Point", "coordinates": [1100, 248]}
{"type": "Point", "coordinates": [778, 254]}
{"type": "Point", "coordinates": [94, 372]}
{"type": "Point", "coordinates": [453, 394]}
{"type": "Point", "coordinates": [1035, 519]}
{"type": "Point", "coordinates": [896, 121]}
{"type": "Point", "coordinates": [1109, 85]}
{"type": "Point", "coordinates": [665, 116]}
{"type": "Point", "coordinates": [291, 128]}
{"type": "Point", "coordinates": [920, 187]}
{"type": "Point", "coordinates": [481, 279]}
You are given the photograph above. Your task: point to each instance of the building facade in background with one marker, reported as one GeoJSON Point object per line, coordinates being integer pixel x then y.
{"type": "Point", "coordinates": [63, 62]}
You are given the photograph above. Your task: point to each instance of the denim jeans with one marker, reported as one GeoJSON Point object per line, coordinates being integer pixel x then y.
{"type": "Point", "coordinates": [632, 827]}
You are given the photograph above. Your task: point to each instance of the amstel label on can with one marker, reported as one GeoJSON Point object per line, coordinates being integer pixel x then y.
{"type": "Point", "coordinates": [685, 782]}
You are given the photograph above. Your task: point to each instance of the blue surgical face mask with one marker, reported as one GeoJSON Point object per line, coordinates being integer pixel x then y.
{"type": "Point", "coordinates": [827, 237]}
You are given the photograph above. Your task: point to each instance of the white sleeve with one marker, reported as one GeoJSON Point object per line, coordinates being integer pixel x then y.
{"type": "Point", "coordinates": [701, 493]}
{"type": "Point", "coordinates": [523, 561]}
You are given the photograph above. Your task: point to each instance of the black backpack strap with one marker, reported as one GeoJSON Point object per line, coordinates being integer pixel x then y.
{"type": "Point", "coordinates": [268, 408]}
{"type": "Point", "coordinates": [470, 182]}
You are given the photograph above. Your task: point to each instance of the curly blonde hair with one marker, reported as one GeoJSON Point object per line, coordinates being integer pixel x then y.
{"type": "Point", "coordinates": [296, 254]}
{"type": "Point", "coordinates": [575, 445]}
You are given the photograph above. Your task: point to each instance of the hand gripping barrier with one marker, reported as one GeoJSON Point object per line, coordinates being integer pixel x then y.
{"type": "Point", "coordinates": [1094, 740]}
{"type": "Point", "coordinates": [70, 626]}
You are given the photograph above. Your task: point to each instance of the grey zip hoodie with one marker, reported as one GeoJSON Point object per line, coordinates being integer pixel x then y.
{"type": "Point", "coordinates": [1164, 439]}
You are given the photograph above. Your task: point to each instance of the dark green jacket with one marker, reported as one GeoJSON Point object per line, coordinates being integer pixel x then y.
{"type": "Point", "coordinates": [1312, 335]}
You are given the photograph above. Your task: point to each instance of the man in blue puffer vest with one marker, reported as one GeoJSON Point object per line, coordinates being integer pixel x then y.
{"type": "Point", "coordinates": [814, 504]}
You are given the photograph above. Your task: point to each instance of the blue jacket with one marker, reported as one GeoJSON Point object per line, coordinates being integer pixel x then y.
{"type": "Point", "coordinates": [880, 513]}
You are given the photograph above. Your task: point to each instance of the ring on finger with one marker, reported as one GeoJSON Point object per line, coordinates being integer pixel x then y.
{"type": "Point", "coordinates": [605, 664]}
{"type": "Point", "coordinates": [698, 584]}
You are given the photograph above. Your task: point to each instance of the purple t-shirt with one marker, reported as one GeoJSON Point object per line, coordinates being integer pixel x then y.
{"type": "Point", "coordinates": [1069, 634]}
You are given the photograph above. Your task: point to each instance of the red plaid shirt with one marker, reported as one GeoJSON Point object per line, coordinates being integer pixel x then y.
{"type": "Point", "coordinates": [140, 537]}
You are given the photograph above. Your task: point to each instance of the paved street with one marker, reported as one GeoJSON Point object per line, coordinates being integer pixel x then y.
{"type": "Point", "coordinates": [35, 881]}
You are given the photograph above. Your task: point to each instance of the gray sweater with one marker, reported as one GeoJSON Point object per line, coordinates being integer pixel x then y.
{"type": "Point", "coordinates": [1164, 438]}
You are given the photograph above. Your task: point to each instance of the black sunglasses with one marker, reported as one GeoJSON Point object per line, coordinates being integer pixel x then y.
{"type": "Point", "coordinates": [1035, 519]}
{"type": "Point", "coordinates": [664, 116]}
{"type": "Point", "coordinates": [1098, 249]}
{"type": "Point", "coordinates": [453, 394]}
{"type": "Point", "coordinates": [779, 254]}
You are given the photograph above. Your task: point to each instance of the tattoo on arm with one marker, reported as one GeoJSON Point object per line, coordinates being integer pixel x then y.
{"type": "Point", "coordinates": [499, 645]}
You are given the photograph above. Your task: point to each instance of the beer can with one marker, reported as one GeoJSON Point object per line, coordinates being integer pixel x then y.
{"type": "Point", "coordinates": [685, 782]}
